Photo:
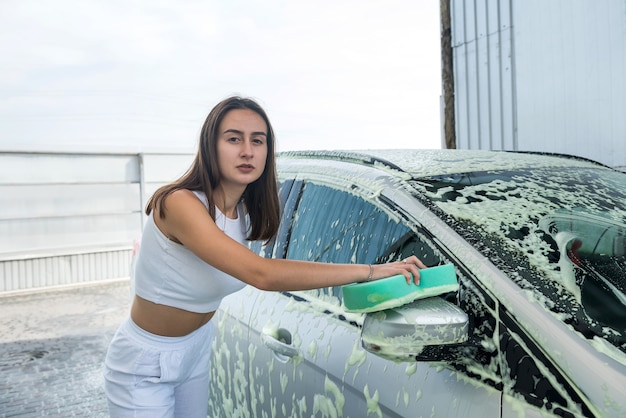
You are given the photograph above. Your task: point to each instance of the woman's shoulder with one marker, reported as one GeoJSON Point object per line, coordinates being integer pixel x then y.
{"type": "Point", "coordinates": [200, 195]}
{"type": "Point", "coordinates": [186, 193]}
{"type": "Point", "coordinates": [185, 196]}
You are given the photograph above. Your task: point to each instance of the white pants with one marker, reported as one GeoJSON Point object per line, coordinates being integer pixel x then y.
{"type": "Point", "coordinates": [147, 375]}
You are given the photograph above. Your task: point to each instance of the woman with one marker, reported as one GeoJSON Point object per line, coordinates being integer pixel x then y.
{"type": "Point", "coordinates": [193, 254]}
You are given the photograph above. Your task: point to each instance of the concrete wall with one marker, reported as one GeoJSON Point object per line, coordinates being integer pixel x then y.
{"type": "Point", "coordinates": [72, 218]}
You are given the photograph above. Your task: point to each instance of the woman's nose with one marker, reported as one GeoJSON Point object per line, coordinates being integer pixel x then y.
{"type": "Point", "coordinates": [246, 148]}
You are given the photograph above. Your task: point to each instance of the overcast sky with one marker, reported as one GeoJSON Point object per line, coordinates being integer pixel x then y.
{"type": "Point", "coordinates": [132, 76]}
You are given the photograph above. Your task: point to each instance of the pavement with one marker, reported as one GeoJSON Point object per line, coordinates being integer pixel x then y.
{"type": "Point", "coordinates": [52, 346]}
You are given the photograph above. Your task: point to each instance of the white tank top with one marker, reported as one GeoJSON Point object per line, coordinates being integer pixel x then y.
{"type": "Point", "coordinates": [168, 273]}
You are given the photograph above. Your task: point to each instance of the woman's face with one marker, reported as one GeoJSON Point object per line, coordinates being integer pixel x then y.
{"type": "Point", "coordinates": [241, 148]}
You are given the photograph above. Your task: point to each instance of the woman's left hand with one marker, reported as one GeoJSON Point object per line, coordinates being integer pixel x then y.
{"type": "Point", "coordinates": [407, 267]}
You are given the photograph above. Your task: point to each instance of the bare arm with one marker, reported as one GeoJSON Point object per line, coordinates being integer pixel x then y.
{"type": "Point", "coordinates": [188, 222]}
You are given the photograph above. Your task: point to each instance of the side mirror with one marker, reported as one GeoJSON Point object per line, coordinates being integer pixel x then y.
{"type": "Point", "coordinates": [430, 329]}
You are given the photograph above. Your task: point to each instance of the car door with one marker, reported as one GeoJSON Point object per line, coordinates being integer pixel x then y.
{"type": "Point", "coordinates": [231, 373]}
{"type": "Point", "coordinates": [321, 369]}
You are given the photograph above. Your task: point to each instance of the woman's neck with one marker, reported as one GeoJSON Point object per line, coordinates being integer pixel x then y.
{"type": "Point", "coordinates": [227, 202]}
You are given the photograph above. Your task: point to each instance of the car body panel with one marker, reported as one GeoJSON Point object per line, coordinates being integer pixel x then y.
{"type": "Point", "coordinates": [583, 357]}
{"type": "Point", "coordinates": [529, 361]}
{"type": "Point", "coordinates": [335, 376]}
{"type": "Point", "coordinates": [229, 392]}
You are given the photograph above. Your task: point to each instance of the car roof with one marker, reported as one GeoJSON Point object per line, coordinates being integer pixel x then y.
{"type": "Point", "coordinates": [420, 162]}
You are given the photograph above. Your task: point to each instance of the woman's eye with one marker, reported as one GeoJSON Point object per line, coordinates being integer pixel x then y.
{"type": "Point", "coordinates": [259, 141]}
{"type": "Point", "coordinates": [233, 139]}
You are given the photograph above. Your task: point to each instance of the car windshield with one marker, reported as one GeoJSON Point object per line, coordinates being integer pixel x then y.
{"type": "Point", "coordinates": [560, 233]}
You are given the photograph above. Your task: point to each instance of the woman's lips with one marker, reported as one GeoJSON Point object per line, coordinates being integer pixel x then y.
{"type": "Point", "coordinates": [246, 168]}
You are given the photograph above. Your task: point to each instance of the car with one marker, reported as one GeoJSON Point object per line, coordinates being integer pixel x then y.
{"type": "Point", "coordinates": [537, 242]}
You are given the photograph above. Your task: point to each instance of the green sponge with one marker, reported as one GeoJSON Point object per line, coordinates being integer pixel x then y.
{"type": "Point", "coordinates": [393, 291]}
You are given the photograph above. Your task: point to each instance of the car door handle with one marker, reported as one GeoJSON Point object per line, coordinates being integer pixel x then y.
{"type": "Point", "coordinates": [279, 341]}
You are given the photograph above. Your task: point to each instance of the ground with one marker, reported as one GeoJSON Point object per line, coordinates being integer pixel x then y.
{"type": "Point", "coordinates": [52, 345]}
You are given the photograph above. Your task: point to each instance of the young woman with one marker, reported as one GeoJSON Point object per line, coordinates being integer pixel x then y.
{"type": "Point", "coordinates": [193, 254]}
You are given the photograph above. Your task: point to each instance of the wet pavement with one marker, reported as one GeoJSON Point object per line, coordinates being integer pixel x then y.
{"type": "Point", "coordinates": [52, 345]}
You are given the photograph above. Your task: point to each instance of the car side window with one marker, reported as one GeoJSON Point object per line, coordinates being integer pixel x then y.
{"type": "Point", "coordinates": [276, 247]}
{"type": "Point", "coordinates": [340, 227]}
{"type": "Point", "coordinates": [412, 244]}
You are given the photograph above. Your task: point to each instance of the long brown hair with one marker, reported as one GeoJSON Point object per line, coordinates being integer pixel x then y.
{"type": "Point", "coordinates": [260, 197]}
